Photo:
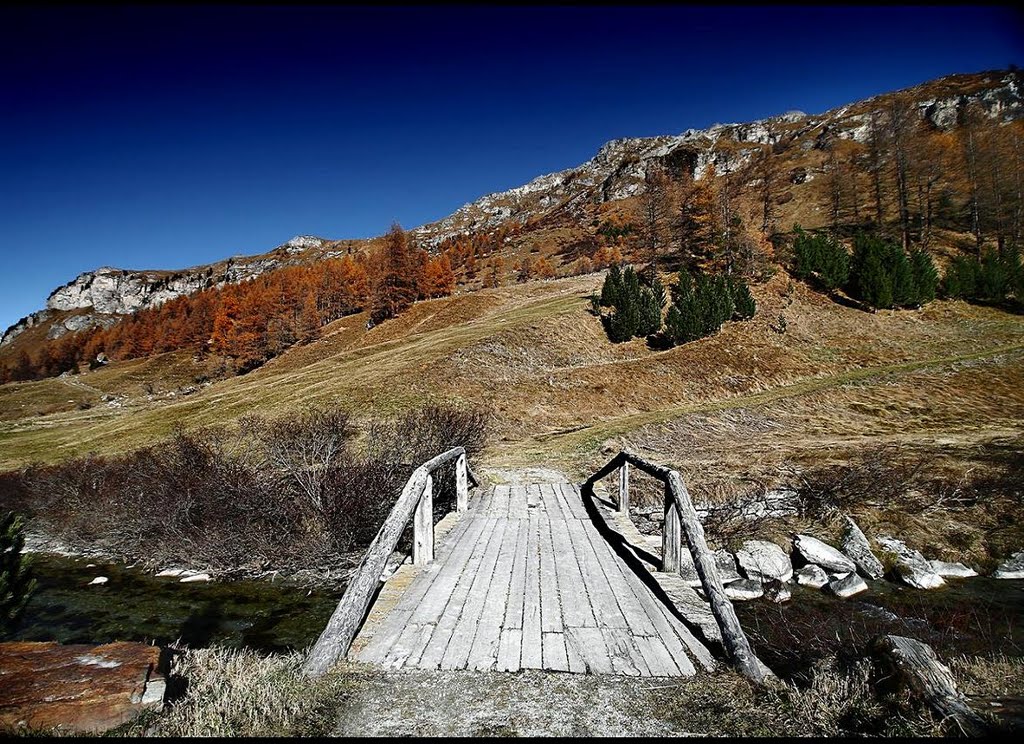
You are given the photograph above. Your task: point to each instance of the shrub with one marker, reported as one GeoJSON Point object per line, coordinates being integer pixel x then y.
{"type": "Point", "coordinates": [16, 585]}
{"type": "Point", "coordinates": [926, 278]}
{"type": "Point", "coordinates": [993, 278]}
{"type": "Point", "coordinates": [287, 492]}
{"type": "Point", "coordinates": [701, 305]}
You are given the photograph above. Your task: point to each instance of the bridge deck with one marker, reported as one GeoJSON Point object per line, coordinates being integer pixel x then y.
{"type": "Point", "coordinates": [524, 581]}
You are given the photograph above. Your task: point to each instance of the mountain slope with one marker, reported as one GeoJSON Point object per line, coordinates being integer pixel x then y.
{"type": "Point", "coordinates": [560, 208]}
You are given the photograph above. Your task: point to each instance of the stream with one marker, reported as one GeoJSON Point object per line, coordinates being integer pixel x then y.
{"type": "Point", "coordinates": [268, 616]}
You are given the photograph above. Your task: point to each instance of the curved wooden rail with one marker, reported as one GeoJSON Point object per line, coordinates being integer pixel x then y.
{"type": "Point", "coordinates": [680, 518]}
{"type": "Point", "coordinates": [415, 502]}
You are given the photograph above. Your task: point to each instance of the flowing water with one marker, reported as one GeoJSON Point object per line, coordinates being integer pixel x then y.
{"type": "Point", "coordinates": [269, 616]}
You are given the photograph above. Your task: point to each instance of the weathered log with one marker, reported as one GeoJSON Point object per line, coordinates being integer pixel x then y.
{"type": "Point", "coordinates": [916, 665]}
{"type": "Point", "coordinates": [348, 616]}
{"type": "Point", "coordinates": [733, 638]}
{"type": "Point", "coordinates": [341, 629]}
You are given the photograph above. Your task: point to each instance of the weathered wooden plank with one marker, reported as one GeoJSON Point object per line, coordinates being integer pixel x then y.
{"type": "Point", "coordinates": [510, 649]}
{"type": "Point", "coordinates": [499, 504]}
{"type": "Point", "coordinates": [517, 584]}
{"type": "Point", "coordinates": [656, 656]}
{"type": "Point", "coordinates": [484, 652]}
{"type": "Point", "coordinates": [555, 658]}
{"type": "Point", "coordinates": [574, 657]}
{"type": "Point", "coordinates": [517, 503]}
{"type": "Point", "coordinates": [625, 656]}
{"type": "Point", "coordinates": [606, 608]}
{"type": "Point", "coordinates": [576, 607]}
{"type": "Point", "coordinates": [430, 601]}
{"type": "Point", "coordinates": [624, 584]}
{"type": "Point", "coordinates": [456, 655]}
{"type": "Point", "coordinates": [589, 644]}
{"type": "Point", "coordinates": [550, 604]}
{"type": "Point", "coordinates": [531, 656]}
{"type": "Point", "coordinates": [410, 644]}
{"type": "Point", "coordinates": [533, 499]}
{"type": "Point", "coordinates": [571, 496]}
{"type": "Point", "coordinates": [553, 502]}
{"type": "Point", "coordinates": [671, 536]}
{"type": "Point", "coordinates": [455, 600]}
{"type": "Point", "coordinates": [385, 637]}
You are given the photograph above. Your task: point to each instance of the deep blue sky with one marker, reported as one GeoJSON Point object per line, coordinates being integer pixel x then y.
{"type": "Point", "coordinates": [169, 137]}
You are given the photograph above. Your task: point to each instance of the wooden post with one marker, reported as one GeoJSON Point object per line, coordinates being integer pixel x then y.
{"type": "Point", "coordinates": [671, 535]}
{"type": "Point", "coordinates": [461, 484]}
{"type": "Point", "coordinates": [423, 526]}
{"type": "Point", "coordinates": [624, 489]}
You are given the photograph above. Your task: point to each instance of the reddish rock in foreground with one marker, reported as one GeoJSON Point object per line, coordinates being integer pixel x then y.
{"type": "Point", "coordinates": [78, 687]}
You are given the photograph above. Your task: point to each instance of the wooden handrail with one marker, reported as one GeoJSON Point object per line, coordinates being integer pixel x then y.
{"type": "Point", "coordinates": [681, 518]}
{"type": "Point", "coordinates": [416, 500]}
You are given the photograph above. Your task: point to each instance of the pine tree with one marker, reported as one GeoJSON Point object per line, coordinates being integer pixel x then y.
{"type": "Point", "coordinates": [16, 585]}
{"type": "Point", "coordinates": [612, 287]}
{"type": "Point", "coordinates": [925, 276]}
{"type": "Point", "coordinates": [743, 301]}
{"type": "Point", "coordinates": [904, 288]}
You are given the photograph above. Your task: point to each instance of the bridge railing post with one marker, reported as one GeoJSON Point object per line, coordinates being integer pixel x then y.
{"type": "Point", "coordinates": [624, 489]}
{"type": "Point", "coordinates": [671, 535]}
{"type": "Point", "coordinates": [423, 526]}
{"type": "Point", "coordinates": [461, 484]}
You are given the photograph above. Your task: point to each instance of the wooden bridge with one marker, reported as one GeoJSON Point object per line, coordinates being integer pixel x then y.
{"type": "Point", "coordinates": [526, 576]}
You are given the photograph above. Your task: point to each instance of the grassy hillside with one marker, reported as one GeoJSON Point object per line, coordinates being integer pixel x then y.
{"type": "Point", "coordinates": [558, 389]}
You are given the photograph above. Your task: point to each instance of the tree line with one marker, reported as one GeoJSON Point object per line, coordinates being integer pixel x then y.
{"type": "Point", "coordinates": [253, 321]}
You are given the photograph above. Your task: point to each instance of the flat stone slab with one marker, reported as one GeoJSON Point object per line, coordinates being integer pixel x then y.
{"type": "Point", "coordinates": [848, 586]}
{"type": "Point", "coordinates": [822, 554]}
{"type": "Point", "coordinates": [1012, 567]}
{"type": "Point", "coordinates": [912, 567]}
{"type": "Point", "coordinates": [744, 589]}
{"type": "Point", "coordinates": [77, 688]}
{"type": "Point", "coordinates": [952, 570]}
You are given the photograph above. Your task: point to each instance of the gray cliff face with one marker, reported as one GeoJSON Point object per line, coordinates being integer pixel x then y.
{"type": "Point", "coordinates": [108, 293]}
{"type": "Point", "coordinates": [619, 168]}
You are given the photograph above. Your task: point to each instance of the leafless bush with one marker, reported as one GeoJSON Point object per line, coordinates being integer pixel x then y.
{"type": "Point", "coordinates": [285, 492]}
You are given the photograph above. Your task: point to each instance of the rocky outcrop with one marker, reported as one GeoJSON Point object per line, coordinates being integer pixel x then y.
{"type": "Point", "coordinates": [855, 545]}
{"type": "Point", "coordinates": [820, 553]}
{"type": "Point", "coordinates": [108, 293]}
{"type": "Point", "coordinates": [911, 567]}
{"type": "Point", "coordinates": [847, 586]}
{"type": "Point", "coordinates": [952, 570]}
{"type": "Point", "coordinates": [812, 576]}
{"type": "Point", "coordinates": [762, 560]}
{"type": "Point", "coordinates": [1012, 568]}
{"type": "Point", "coordinates": [77, 688]}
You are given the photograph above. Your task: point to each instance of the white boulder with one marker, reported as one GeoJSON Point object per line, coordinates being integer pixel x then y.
{"type": "Point", "coordinates": [99, 581]}
{"type": "Point", "coordinates": [195, 577]}
{"type": "Point", "coordinates": [744, 589]}
{"type": "Point", "coordinates": [1011, 568]}
{"type": "Point", "coordinates": [761, 559]}
{"type": "Point", "coordinates": [912, 567]}
{"type": "Point", "coordinates": [812, 576]}
{"type": "Point", "coordinates": [847, 587]}
{"type": "Point", "coordinates": [822, 554]}
{"type": "Point", "coordinates": [855, 545]}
